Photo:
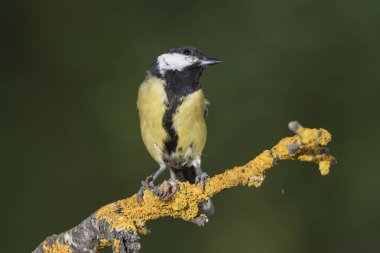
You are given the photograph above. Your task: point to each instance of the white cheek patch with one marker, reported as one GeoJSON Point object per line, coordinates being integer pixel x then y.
{"type": "Point", "coordinates": [174, 61]}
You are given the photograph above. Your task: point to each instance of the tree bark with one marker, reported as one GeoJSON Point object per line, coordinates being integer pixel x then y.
{"type": "Point", "coordinates": [120, 223]}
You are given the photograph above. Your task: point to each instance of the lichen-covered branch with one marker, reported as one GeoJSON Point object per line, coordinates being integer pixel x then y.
{"type": "Point", "coordinates": [120, 223]}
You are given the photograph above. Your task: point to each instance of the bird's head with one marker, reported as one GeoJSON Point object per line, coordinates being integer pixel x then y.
{"type": "Point", "coordinates": [182, 59]}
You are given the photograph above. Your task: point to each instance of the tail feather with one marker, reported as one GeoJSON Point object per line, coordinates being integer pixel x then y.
{"type": "Point", "coordinates": [184, 174]}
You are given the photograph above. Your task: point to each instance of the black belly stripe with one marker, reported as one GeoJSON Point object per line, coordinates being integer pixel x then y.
{"type": "Point", "coordinates": [172, 141]}
{"type": "Point", "coordinates": [178, 84]}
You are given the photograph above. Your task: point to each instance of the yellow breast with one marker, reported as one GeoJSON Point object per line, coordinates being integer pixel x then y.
{"type": "Point", "coordinates": [151, 106]}
{"type": "Point", "coordinates": [189, 123]}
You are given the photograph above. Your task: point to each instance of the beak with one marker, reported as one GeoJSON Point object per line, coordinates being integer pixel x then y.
{"type": "Point", "coordinates": [209, 61]}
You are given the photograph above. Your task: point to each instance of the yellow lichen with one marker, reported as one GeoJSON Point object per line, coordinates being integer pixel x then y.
{"type": "Point", "coordinates": [103, 243]}
{"type": "Point", "coordinates": [128, 213]}
{"type": "Point", "coordinates": [56, 248]}
{"type": "Point", "coordinates": [324, 167]}
{"type": "Point", "coordinates": [116, 245]}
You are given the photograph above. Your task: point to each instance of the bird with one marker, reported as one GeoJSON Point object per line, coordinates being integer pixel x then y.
{"type": "Point", "coordinates": [172, 109]}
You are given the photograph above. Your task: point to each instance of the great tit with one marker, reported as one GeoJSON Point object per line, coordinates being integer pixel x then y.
{"type": "Point", "coordinates": [172, 110]}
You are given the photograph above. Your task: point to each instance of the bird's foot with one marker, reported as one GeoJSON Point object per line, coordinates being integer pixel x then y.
{"type": "Point", "coordinates": [140, 193]}
{"type": "Point", "coordinates": [147, 184]}
{"type": "Point", "coordinates": [164, 191]}
{"type": "Point", "coordinates": [202, 178]}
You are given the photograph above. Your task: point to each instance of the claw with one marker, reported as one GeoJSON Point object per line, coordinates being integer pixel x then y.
{"type": "Point", "coordinates": [147, 184]}
{"type": "Point", "coordinates": [166, 190]}
{"type": "Point", "coordinates": [140, 193]}
{"type": "Point", "coordinates": [151, 185]}
{"type": "Point", "coordinates": [149, 181]}
{"type": "Point", "coordinates": [202, 178]}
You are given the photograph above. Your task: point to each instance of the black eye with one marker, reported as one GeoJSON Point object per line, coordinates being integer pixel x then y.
{"type": "Point", "coordinates": [187, 52]}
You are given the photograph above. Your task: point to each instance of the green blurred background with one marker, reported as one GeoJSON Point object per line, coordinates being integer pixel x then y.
{"type": "Point", "coordinates": [70, 139]}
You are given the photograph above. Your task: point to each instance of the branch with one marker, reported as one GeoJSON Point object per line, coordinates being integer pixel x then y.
{"type": "Point", "coordinates": [120, 223]}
